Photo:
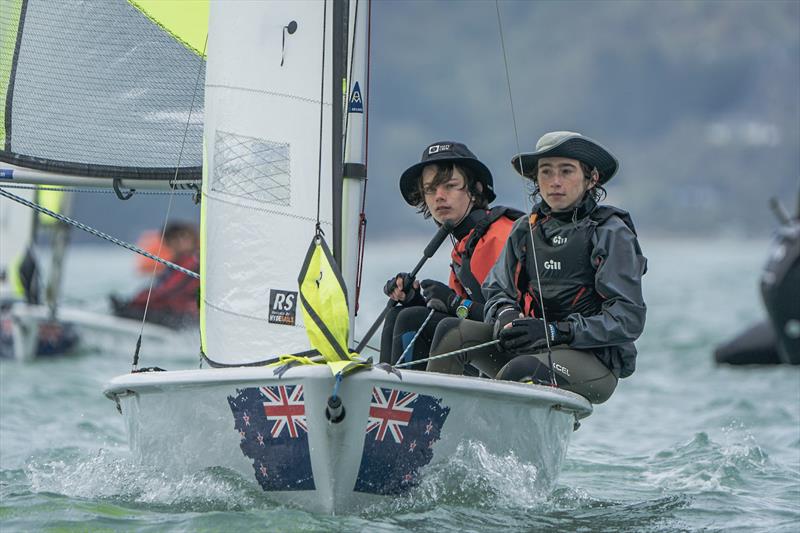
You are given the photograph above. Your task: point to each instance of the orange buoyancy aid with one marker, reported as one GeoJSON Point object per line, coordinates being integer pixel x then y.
{"type": "Point", "coordinates": [477, 252]}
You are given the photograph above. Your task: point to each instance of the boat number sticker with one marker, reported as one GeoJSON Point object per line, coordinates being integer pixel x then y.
{"type": "Point", "coordinates": [282, 307]}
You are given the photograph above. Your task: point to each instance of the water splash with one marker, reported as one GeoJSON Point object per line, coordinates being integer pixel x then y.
{"type": "Point", "coordinates": [108, 476]}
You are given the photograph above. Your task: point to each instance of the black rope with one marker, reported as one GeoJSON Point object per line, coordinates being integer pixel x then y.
{"type": "Point", "coordinates": [321, 108]}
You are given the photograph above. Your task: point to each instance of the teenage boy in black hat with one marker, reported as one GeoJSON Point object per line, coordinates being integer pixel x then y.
{"type": "Point", "coordinates": [565, 297]}
{"type": "Point", "coordinates": [449, 184]}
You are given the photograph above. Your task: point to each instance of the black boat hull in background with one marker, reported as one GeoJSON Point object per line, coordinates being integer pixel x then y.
{"type": "Point", "coordinates": [780, 288]}
{"type": "Point", "coordinates": [776, 340]}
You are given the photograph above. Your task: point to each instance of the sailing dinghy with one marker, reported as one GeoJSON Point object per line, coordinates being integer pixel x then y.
{"type": "Point", "coordinates": [95, 96]}
{"type": "Point", "coordinates": [322, 429]}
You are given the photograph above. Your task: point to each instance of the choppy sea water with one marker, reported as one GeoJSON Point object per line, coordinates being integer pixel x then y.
{"type": "Point", "coordinates": [683, 445]}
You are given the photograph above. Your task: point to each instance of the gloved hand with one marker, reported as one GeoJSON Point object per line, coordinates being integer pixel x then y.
{"type": "Point", "coordinates": [529, 334]}
{"type": "Point", "coordinates": [394, 289]}
{"type": "Point", "coordinates": [440, 297]}
{"type": "Point", "coordinates": [504, 317]}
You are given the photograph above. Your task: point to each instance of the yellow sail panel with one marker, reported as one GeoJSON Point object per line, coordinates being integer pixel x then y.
{"type": "Point", "coordinates": [52, 200]}
{"type": "Point", "coordinates": [186, 20]}
{"type": "Point", "coordinates": [323, 296]}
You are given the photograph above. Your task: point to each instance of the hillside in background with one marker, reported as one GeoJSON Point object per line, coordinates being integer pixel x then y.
{"type": "Point", "coordinates": [700, 101]}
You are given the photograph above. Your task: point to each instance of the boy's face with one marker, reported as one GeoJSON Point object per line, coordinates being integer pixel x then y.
{"type": "Point", "coordinates": [449, 201]}
{"type": "Point", "coordinates": [562, 183]}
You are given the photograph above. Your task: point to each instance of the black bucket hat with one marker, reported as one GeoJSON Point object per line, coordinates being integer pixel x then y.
{"type": "Point", "coordinates": [567, 144]}
{"type": "Point", "coordinates": [446, 152]}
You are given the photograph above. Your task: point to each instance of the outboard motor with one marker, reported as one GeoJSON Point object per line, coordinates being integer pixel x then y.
{"type": "Point", "coordinates": [780, 287]}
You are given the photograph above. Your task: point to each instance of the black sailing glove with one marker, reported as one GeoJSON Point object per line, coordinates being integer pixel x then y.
{"type": "Point", "coordinates": [530, 334]}
{"type": "Point", "coordinates": [504, 317]}
{"type": "Point", "coordinates": [440, 297]}
{"type": "Point", "coordinates": [412, 297]}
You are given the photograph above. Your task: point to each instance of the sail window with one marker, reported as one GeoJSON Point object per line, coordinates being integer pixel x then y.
{"type": "Point", "coordinates": [252, 168]}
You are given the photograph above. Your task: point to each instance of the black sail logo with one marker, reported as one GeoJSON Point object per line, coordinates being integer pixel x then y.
{"type": "Point", "coordinates": [282, 307]}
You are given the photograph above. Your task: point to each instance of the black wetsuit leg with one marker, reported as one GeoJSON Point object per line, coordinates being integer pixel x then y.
{"type": "Point", "coordinates": [577, 371]}
{"type": "Point", "coordinates": [455, 334]}
{"type": "Point", "coordinates": [387, 333]}
{"type": "Point", "coordinates": [408, 323]}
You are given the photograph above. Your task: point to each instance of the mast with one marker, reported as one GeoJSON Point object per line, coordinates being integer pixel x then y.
{"type": "Point", "coordinates": [341, 12]}
{"type": "Point", "coordinates": [355, 158]}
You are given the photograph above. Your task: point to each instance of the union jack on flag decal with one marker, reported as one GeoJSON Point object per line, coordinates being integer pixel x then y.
{"type": "Point", "coordinates": [281, 459]}
{"type": "Point", "coordinates": [415, 422]}
{"type": "Point", "coordinates": [286, 409]}
{"type": "Point", "coordinates": [390, 413]}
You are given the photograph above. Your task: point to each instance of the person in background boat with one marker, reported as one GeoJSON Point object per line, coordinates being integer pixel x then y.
{"type": "Point", "coordinates": [449, 184]}
{"type": "Point", "coordinates": [574, 299]}
{"type": "Point", "coordinates": [174, 296]}
{"type": "Point", "coordinates": [150, 241]}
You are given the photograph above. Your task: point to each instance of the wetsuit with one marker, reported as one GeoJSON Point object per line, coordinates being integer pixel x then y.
{"type": "Point", "coordinates": [480, 238]}
{"type": "Point", "coordinates": [590, 266]}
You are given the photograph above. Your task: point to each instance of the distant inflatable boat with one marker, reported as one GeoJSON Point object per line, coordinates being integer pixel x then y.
{"type": "Point", "coordinates": [776, 340]}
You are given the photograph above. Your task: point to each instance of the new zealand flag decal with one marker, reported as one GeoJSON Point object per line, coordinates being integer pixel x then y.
{"type": "Point", "coordinates": [272, 423]}
{"type": "Point", "coordinates": [400, 433]}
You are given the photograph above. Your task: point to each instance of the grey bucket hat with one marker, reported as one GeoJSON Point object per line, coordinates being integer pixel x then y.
{"type": "Point", "coordinates": [446, 152]}
{"type": "Point", "coordinates": [567, 144]}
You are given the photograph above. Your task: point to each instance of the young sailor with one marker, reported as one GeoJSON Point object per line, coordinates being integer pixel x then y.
{"type": "Point", "coordinates": [174, 297]}
{"type": "Point", "coordinates": [566, 293]}
{"type": "Point", "coordinates": [449, 184]}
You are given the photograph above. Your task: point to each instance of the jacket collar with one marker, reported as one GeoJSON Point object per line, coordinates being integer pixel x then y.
{"type": "Point", "coordinates": [470, 221]}
{"type": "Point", "coordinates": [582, 210]}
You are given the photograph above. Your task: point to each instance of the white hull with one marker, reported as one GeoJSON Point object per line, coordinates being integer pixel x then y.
{"type": "Point", "coordinates": [185, 421]}
{"type": "Point", "coordinates": [96, 331]}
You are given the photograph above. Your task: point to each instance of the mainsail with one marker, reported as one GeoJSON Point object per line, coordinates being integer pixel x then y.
{"type": "Point", "coordinates": [99, 90]}
{"type": "Point", "coordinates": [273, 126]}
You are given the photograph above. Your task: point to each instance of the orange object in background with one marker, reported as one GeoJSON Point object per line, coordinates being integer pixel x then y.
{"type": "Point", "coordinates": [149, 242]}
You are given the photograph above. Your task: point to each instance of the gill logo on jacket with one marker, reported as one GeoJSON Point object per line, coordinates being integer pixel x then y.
{"type": "Point", "coordinates": [552, 265]}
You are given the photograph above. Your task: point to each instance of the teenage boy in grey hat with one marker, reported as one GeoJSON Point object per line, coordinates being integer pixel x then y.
{"type": "Point", "coordinates": [565, 298]}
{"type": "Point", "coordinates": [449, 184]}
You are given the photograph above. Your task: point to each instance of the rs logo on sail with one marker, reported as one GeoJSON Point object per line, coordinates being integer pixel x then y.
{"type": "Point", "coordinates": [282, 307]}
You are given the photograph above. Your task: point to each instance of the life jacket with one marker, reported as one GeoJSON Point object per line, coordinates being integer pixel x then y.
{"type": "Point", "coordinates": [174, 291]}
{"type": "Point", "coordinates": [566, 272]}
{"type": "Point", "coordinates": [476, 253]}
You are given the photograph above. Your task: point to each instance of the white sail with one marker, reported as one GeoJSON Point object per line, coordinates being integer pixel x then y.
{"type": "Point", "coordinates": [268, 172]}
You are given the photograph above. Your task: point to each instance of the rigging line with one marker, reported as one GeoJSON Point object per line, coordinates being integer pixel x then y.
{"type": "Point", "coordinates": [321, 109]}
{"type": "Point", "coordinates": [411, 344]}
{"type": "Point", "coordinates": [362, 227]}
{"type": "Point", "coordinates": [522, 171]}
{"type": "Point", "coordinates": [93, 190]}
{"type": "Point", "coordinates": [448, 354]}
{"type": "Point", "coordinates": [171, 198]}
{"type": "Point", "coordinates": [96, 233]}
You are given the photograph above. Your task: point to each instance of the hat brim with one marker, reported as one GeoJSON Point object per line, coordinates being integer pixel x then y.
{"type": "Point", "coordinates": [581, 148]}
{"type": "Point", "coordinates": [410, 178]}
